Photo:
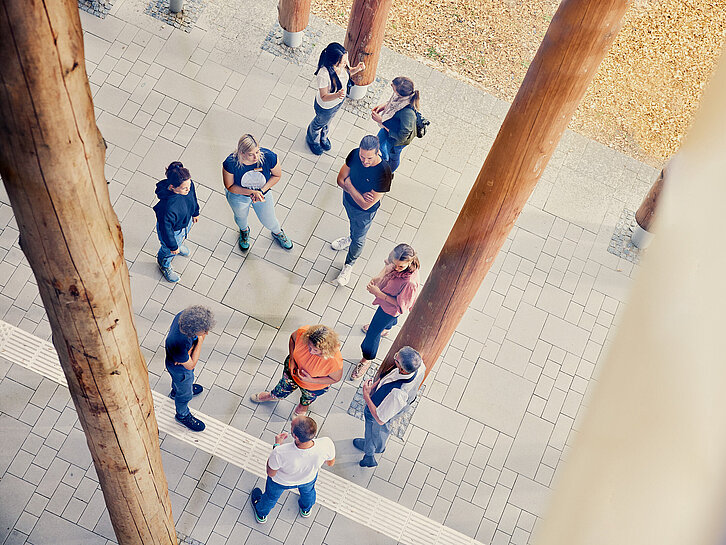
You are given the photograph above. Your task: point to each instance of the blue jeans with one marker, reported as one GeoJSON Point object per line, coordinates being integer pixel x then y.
{"type": "Point", "coordinates": [318, 128]}
{"type": "Point", "coordinates": [376, 435]}
{"type": "Point", "coordinates": [164, 256]}
{"type": "Point", "coordinates": [273, 491]}
{"type": "Point", "coordinates": [360, 221]}
{"type": "Point", "coordinates": [265, 210]}
{"type": "Point", "coordinates": [182, 380]}
{"type": "Point", "coordinates": [389, 152]}
{"type": "Point", "coordinates": [381, 321]}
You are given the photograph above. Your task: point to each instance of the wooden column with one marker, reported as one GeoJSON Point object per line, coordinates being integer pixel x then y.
{"type": "Point", "coordinates": [51, 161]}
{"type": "Point", "coordinates": [645, 214]}
{"type": "Point", "coordinates": [364, 37]}
{"type": "Point", "coordinates": [293, 16]}
{"type": "Point", "coordinates": [576, 41]}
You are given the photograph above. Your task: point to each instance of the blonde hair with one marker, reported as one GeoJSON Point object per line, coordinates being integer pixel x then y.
{"type": "Point", "coordinates": [245, 145]}
{"type": "Point", "coordinates": [404, 87]}
{"type": "Point", "coordinates": [323, 338]}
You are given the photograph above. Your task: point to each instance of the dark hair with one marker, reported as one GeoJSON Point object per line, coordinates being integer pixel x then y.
{"type": "Point", "coordinates": [329, 57]}
{"type": "Point", "coordinates": [176, 174]}
{"type": "Point", "coordinates": [404, 87]}
{"type": "Point", "coordinates": [196, 320]}
{"type": "Point", "coordinates": [370, 142]}
{"type": "Point", "coordinates": [404, 252]}
{"type": "Point", "coordinates": [304, 428]}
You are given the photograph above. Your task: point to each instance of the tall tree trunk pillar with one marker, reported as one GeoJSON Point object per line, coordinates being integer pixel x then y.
{"type": "Point", "coordinates": [576, 41]}
{"type": "Point", "coordinates": [364, 39]}
{"type": "Point", "coordinates": [642, 236]}
{"type": "Point", "coordinates": [294, 16]}
{"type": "Point", "coordinates": [51, 161]}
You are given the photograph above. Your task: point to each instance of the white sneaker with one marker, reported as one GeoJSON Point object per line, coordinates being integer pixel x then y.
{"type": "Point", "coordinates": [340, 243]}
{"type": "Point", "coordinates": [344, 276]}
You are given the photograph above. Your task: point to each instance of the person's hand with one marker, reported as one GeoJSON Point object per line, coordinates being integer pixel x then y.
{"type": "Point", "coordinates": [202, 336]}
{"type": "Point", "coordinates": [195, 219]}
{"type": "Point", "coordinates": [280, 437]}
{"type": "Point", "coordinates": [360, 66]}
{"type": "Point", "coordinates": [341, 93]}
{"type": "Point", "coordinates": [373, 289]}
{"type": "Point", "coordinates": [376, 116]}
{"type": "Point", "coordinates": [257, 196]}
{"type": "Point", "coordinates": [368, 196]}
{"type": "Point", "coordinates": [347, 184]}
{"type": "Point", "coordinates": [174, 251]}
{"type": "Point", "coordinates": [302, 373]}
{"type": "Point", "coordinates": [367, 387]}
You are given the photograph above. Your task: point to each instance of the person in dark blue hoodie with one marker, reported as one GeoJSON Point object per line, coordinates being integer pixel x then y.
{"type": "Point", "coordinates": [176, 210]}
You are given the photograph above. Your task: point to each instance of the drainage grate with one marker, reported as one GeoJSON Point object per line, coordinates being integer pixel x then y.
{"type": "Point", "coordinates": [620, 244]}
{"type": "Point", "coordinates": [99, 8]}
{"type": "Point", "coordinates": [184, 20]}
{"type": "Point", "coordinates": [297, 55]}
{"type": "Point", "coordinates": [250, 453]}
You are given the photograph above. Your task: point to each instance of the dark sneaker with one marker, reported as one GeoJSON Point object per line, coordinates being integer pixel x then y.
{"type": "Point", "coordinates": [196, 390]}
{"type": "Point", "coordinates": [325, 144]}
{"type": "Point", "coordinates": [183, 251]}
{"type": "Point", "coordinates": [305, 514]}
{"type": "Point", "coordinates": [368, 461]}
{"type": "Point", "coordinates": [190, 422]}
{"type": "Point", "coordinates": [315, 147]}
{"type": "Point", "coordinates": [169, 274]}
{"type": "Point", "coordinates": [359, 443]}
{"type": "Point", "coordinates": [255, 497]}
{"type": "Point", "coordinates": [244, 240]}
{"type": "Point", "coordinates": [282, 240]}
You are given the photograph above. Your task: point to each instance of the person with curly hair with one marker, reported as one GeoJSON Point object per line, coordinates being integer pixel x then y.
{"type": "Point", "coordinates": [183, 346]}
{"type": "Point", "coordinates": [312, 365]}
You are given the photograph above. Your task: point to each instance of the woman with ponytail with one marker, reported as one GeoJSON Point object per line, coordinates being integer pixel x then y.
{"type": "Point", "coordinates": [397, 119]}
{"type": "Point", "coordinates": [395, 290]}
{"type": "Point", "coordinates": [332, 74]}
{"type": "Point", "coordinates": [176, 210]}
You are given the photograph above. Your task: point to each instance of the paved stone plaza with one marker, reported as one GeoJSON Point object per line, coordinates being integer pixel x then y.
{"type": "Point", "coordinates": [498, 411]}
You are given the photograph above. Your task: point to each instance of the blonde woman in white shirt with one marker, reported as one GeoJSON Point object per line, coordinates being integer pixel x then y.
{"type": "Point", "coordinates": [332, 74]}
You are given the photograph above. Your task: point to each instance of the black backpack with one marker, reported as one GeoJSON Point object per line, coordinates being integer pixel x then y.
{"type": "Point", "coordinates": [421, 124]}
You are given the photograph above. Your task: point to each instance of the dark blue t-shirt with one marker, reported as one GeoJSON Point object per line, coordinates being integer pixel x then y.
{"type": "Point", "coordinates": [251, 181]}
{"type": "Point", "coordinates": [376, 178]}
{"type": "Point", "coordinates": [177, 344]}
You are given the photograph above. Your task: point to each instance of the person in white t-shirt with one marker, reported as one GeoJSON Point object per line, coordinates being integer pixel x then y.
{"type": "Point", "coordinates": [332, 74]}
{"type": "Point", "coordinates": [294, 465]}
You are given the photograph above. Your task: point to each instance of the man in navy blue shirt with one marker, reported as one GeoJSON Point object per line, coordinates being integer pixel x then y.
{"type": "Point", "coordinates": [364, 178]}
{"type": "Point", "coordinates": [183, 346]}
{"type": "Point", "coordinates": [387, 398]}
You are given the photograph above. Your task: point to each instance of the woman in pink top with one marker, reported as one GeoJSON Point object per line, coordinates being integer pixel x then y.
{"type": "Point", "coordinates": [395, 290]}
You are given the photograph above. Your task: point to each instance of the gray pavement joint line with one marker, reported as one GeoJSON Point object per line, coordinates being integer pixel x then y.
{"type": "Point", "coordinates": [250, 453]}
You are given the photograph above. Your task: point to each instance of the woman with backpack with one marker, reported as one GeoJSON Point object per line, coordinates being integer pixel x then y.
{"type": "Point", "coordinates": [397, 119]}
{"type": "Point", "coordinates": [176, 211]}
{"type": "Point", "coordinates": [332, 74]}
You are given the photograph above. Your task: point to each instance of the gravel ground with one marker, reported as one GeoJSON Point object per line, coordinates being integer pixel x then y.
{"type": "Point", "coordinates": [644, 95]}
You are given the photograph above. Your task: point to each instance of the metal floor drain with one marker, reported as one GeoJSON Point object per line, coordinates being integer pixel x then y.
{"type": "Point", "coordinates": [99, 8]}
{"type": "Point", "coordinates": [362, 108]}
{"type": "Point", "coordinates": [621, 244]}
{"type": "Point", "coordinates": [297, 55]}
{"type": "Point", "coordinates": [398, 426]}
{"type": "Point", "coordinates": [250, 454]}
{"type": "Point", "coordinates": [184, 20]}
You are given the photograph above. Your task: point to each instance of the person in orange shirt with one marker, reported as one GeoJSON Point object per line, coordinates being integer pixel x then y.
{"type": "Point", "coordinates": [314, 363]}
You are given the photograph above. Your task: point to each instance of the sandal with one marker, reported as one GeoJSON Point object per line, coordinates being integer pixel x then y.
{"type": "Point", "coordinates": [258, 398]}
{"type": "Point", "coordinates": [360, 369]}
{"type": "Point", "coordinates": [384, 333]}
{"type": "Point", "coordinates": [300, 410]}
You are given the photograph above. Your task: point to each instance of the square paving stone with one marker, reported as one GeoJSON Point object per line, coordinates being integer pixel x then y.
{"type": "Point", "coordinates": [263, 290]}
{"type": "Point", "coordinates": [53, 529]}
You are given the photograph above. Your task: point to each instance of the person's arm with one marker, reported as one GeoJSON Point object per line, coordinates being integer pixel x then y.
{"type": "Point", "coordinates": [327, 380]}
{"type": "Point", "coordinates": [275, 175]}
{"type": "Point", "coordinates": [191, 363]}
{"type": "Point", "coordinates": [331, 463]}
{"type": "Point", "coordinates": [228, 179]}
{"type": "Point", "coordinates": [367, 389]}
{"type": "Point", "coordinates": [270, 472]}
{"type": "Point", "coordinates": [343, 174]}
{"type": "Point", "coordinates": [327, 96]}
{"type": "Point", "coordinates": [166, 232]}
{"type": "Point", "coordinates": [404, 126]}
{"type": "Point", "coordinates": [371, 198]}
{"type": "Point", "coordinates": [357, 68]}
{"type": "Point", "coordinates": [279, 439]}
